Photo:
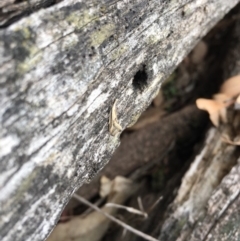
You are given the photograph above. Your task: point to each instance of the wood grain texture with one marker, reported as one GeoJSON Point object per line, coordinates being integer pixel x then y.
{"type": "Point", "coordinates": [223, 212]}
{"type": "Point", "coordinates": [207, 205]}
{"type": "Point", "coordinates": [222, 219]}
{"type": "Point", "coordinates": [13, 10]}
{"type": "Point", "coordinates": [61, 69]}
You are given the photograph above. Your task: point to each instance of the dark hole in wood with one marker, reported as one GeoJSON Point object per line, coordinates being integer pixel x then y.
{"type": "Point", "coordinates": [140, 79]}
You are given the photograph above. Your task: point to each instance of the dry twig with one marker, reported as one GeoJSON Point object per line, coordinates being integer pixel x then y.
{"type": "Point", "coordinates": [129, 209]}
{"type": "Point", "coordinates": [124, 225]}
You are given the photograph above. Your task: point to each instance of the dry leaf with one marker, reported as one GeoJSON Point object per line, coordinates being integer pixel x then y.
{"type": "Point", "coordinates": [224, 99]}
{"type": "Point", "coordinates": [237, 103]}
{"type": "Point", "coordinates": [93, 226]}
{"type": "Point", "coordinates": [226, 139]}
{"type": "Point", "coordinates": [215, 109]}
{"type": "Point", "coordinates": [105, 187]}
{"type": "Point", "coordinates": [223, 115]}
{"type": "Point", "coordinates": [238, 99]}
{"type": "Point", "coordinates": [231, 87]}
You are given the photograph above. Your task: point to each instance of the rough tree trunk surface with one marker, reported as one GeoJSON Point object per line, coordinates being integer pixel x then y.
{"type": "Point", "coordinates": [61, 69]}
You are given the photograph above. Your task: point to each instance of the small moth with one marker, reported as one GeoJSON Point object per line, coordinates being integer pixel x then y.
{"type": "Point", "coordinates": [114, 126]}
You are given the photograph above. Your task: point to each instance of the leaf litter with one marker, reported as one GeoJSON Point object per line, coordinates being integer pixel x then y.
{"type": "Point", "coordinates": [229, 95]}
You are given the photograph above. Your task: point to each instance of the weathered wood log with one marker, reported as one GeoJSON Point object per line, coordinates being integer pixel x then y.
{"type": "Point", "coordinates": [61, 69]}
{"type": "Point", "coordinates": [207, 205]}
{"type": "Point", "coordinates": [222, 218]}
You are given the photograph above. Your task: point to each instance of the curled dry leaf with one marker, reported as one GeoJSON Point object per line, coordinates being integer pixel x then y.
{"type": "Point", "coordinates": [215, 109]}
{"type": "Point", "coordinates": [231, 87]}
{"type": "Point", "coordinates": [238, 99]}
{"type": "Point", "coordinates": [224, 99]}
{"type": "Point", "coordinates": [105, 187]}
{"type": "Point", "coordinates": [237, 103]}
{"type": "Point", "coordinates": [226, 139]}
{"type": "Point", "coordinates": [223, 115]}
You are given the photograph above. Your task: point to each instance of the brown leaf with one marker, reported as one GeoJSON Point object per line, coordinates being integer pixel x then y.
{"type": "Point", "coordinates": [105, 187]}
{"type": "Point", "coordinates": [93, 226]}
{"type": "Point", "coordinates": [226, 139]}
{"type": "Point", "coordinates": [223, 115]}
{"type": "Point", "coordinates": [224, 99]}
{"type": "Point", "coordinates": [238, 100]}
{"type": "Point", "coordinates": [214, 108]}
{"type": "Point", "coordinates": [237, 103]}
{"type": "Point", "coordinates": [231, 87]}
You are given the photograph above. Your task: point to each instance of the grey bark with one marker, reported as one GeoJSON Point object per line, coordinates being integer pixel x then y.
{"type": "Point", "coordinates": [207, 205]}
{"type": "Point", "coordinates": [222, 219]}
{"type": "Point", "coordinates": [61, 69]}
